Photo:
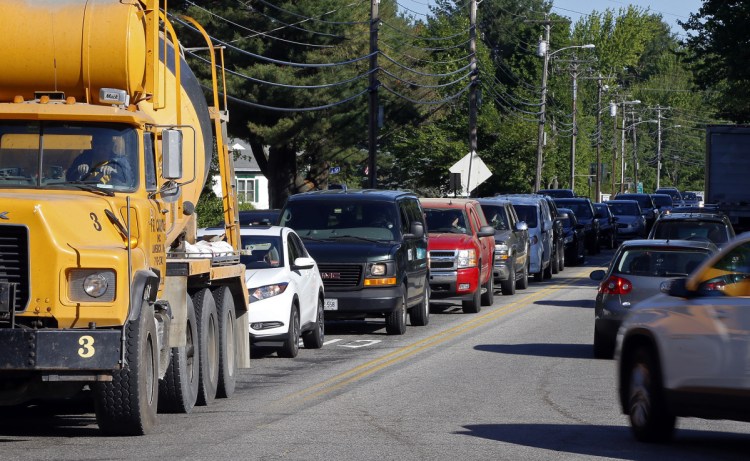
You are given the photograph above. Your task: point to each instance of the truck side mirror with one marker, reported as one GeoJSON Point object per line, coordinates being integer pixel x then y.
{"type": "Point", "coordinates": [416, 231]}
{"type": "Point", "coordinates": [171, 153]}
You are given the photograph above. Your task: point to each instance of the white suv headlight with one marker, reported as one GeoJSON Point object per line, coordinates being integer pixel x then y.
{"type": "Point", "coordinates": [268, 291]}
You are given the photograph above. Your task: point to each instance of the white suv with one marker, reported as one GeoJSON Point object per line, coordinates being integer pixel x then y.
{"type": "Point", "coordinates": [686, 352]}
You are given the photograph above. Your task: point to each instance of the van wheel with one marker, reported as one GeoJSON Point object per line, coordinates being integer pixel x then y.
{"type": "Point", "coordinates": [179, 388]}
{"type": "Point", "coordinates": [649, 418]}
{"type": "Point", "coordinates": [127, 404]}
{"type": "Point", "coordinates": [473, 305]}
{"type": "Point", "coordinates": [395, 322]}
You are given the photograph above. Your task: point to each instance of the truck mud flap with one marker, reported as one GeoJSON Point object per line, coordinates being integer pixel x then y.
{"type": "Point", "coordinates": [66, 350]}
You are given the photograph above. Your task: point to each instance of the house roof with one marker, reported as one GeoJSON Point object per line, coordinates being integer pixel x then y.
{"type": "Point", "coordinates": [245, 161]}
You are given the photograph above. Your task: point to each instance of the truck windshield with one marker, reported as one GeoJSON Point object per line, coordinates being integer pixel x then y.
{"type": "Point", "coordinates": [329, 219]}
{"type": "Point", "coordinates": [59, 154]}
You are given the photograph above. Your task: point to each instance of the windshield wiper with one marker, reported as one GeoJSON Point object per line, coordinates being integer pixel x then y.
{"type": "Point", "coordinates": [87, 186]}
{"type": "Point", "coordinates": [354, 237]}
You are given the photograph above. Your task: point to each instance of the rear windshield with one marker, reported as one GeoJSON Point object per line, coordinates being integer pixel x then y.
{"type": "Point", "coordinates": [691, 230]}
{"type": "Point", "coordinates": [336, 220]}
{"type": "Point", "coordinates": [643, 200]}
{"type": "Point", "coordinates": [496, 216]}
{"type": "Point", "coordinates": [527, 213]}
{"type": "Point", "coordinates": [624, 209]}
{"type": "Point", "coordinates": [581, 209]}
{"type": "Point", "coordinates": [659, 262]}
{"type": "Point", "coordinates": [662, 200]}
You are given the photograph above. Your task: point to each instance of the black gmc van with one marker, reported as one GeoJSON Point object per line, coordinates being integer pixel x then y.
{"type": "Point", "coordinates": [371, 249]}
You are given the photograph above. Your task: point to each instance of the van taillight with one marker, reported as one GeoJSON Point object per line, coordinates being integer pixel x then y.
{"type": "Point", "coordinates": [615, 286]}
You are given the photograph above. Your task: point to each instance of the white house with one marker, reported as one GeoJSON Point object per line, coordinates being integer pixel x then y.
{"type": "Point", "coordinates": [251, 185]}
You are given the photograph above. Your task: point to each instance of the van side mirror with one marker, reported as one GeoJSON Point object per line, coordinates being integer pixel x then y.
{"type": "Point", "coordinates": [171, 153]}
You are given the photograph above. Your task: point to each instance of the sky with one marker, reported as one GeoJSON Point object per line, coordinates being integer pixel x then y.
{"type": "Point", "coordinates": [671, 10]}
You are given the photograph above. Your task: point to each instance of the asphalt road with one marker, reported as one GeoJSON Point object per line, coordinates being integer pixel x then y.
{"type": "Point", "coordinates": [516, 381]}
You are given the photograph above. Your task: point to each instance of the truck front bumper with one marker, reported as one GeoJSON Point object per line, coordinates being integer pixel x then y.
{"type": "Point", "coordinates": [59, 350]}
{"type": "Point", "coordinates": [366, 302]}
{"type": "Point", "coordinates": [459, 284]}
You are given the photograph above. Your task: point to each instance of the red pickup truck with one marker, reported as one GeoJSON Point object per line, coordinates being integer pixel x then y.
{"type": "Point", "coordinates": [461, 246]}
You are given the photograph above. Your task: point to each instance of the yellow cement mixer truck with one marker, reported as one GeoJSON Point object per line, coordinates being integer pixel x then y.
{"type": "Point", "coordinates": [105, 144]}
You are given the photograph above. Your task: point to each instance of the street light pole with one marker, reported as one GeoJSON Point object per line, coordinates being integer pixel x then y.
{"type": "Point", "coordinates": [544, 52]}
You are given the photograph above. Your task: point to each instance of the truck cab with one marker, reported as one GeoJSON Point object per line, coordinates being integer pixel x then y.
{"type": "Point", "coordinates": [462, 248]}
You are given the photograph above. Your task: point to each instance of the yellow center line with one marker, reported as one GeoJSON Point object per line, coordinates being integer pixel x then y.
{"type": "Point", "coordinates": [372, 366]}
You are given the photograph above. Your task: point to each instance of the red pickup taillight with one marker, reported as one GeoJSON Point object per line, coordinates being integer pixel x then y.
{"type": "Point", "coordinates": [615, 286]}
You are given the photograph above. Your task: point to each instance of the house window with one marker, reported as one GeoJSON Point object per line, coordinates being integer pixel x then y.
{"type": "Point", "coordinates": [247, 190]}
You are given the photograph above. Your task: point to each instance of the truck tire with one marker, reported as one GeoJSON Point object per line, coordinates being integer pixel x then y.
{"type": "Point", "coordinates": [508, 287]}
{"type": "Point", "coordinates": [523, 282]}
{"type": "Point", "coordinates": [547, 272]}
{"type": "Point", "coordinates": [228, 359]}
{"type": "Point", "coordinates": [553, 262]}
{"type": "Point", "coordinates": [395, 322]}
{"type": "Point", "coordinates": [419, 315]}
{"type": "Point", "coordinates": [474, 305]}
{"type": "Point", "coordinates": [488, 297]}
{"type": "Point", "coordinates": [314, 338]}
{"type": "Point", "coordinates": [127, 404]}
{"type": "Point", "coordinates": [208, 346]}
{"type": "Point", "coordinates": [561, 258]}
{"type": "Point", "coordinates": [290, 348]}
{"type": "Point", "coordinates": [178, 391]}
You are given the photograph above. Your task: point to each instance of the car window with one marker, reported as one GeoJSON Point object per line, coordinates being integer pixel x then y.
{"type": "Point", "coordinates": [496, 216]}
{"type": "Point", "coordinates": [691, 230]}
{"type": "Point", "coordinates": [730, 275]}
{"type": "Point", "coordinates": [261, 251]}
{"type": "Point", "coordinates": [650, 262]}
{"type": "Point", "coordinates": [447, 220]}
{"type": "Point", "coordinates": [662, 200]}
{"type": "Point", "coordinates": [336, 220]}
{"type": "Point", "coordinates": [624, 209]}
{"type": "Point", "coordinates": [292, 249]}
{"type": "Point", "coordinates": [582, 209]}
{"type": "Point", "coordinates": [527, 213]}
{"type": "Point", "coordinates": [299, 246]}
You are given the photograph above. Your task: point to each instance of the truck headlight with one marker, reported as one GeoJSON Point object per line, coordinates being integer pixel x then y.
{"type": "Point", "coordinates": [91, 285]}
{"type": "Point", "coordinates": [381, 274]}
{"type": "Point", "coordinates": [467, 258]}
{"type": "Point", "coordinates": [502, 252]}
{"type": "Point", "coordinates": [379, 269]}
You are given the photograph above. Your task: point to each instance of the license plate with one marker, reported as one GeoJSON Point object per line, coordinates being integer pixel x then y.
{"type": "Point", "coordinates": [331, 304]}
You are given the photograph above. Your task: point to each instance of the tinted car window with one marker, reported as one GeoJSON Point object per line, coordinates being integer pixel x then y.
{"type": "Point", "coordinates": [684, 230]}
{"type": "Point", "coordinates": [624, 209]}
{"type": "Point", "coordinates": [662, 200]}
{"type": "Point", "coordinates": [649, 262]}
{"type": "Point", "coordinates": [643, 200]}
{"type": "Point", "coordinates": [447, 220]}
{"type": "Point", "coordinates": [580, 208]}
{"type": "Point", "coordinates": [263, 251]}
{"type": "Point", "coordinates": [496, 216]}
{"type": "Point", "coordinates": [527, 213]}
{"type": "Point", "coordinates": [373, 220]}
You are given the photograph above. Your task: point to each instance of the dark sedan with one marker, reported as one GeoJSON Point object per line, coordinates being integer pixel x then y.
{"type": "Point", "coordinates": [607, 226]}
{"type": "Point", "coordinates": [587, 215]}
{"type": "Point", "coordinates": [575, 238]}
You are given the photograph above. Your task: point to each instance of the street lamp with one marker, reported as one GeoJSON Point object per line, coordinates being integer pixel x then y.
{"type": "Point", "coordinates": [543, 51]}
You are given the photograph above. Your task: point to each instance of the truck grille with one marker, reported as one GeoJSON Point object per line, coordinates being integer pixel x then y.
{"type": "Point", "coordinates": [441, 259]}
{"type": "Point", "coordinates": [338, 276]}
{"type": "Point", "coordinates": [14, 268]}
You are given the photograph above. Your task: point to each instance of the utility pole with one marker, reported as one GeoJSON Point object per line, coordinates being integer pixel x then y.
{"type": "Point", "coordinates": [373, 98]}
{"type": "Point", "coordinates": [472, 89]}
{"type": "Point", "coordinates": [613, 113]}
{"type": "Point", "coordinates": [543, 107]}
{"type": "Point", "coordinates": [622, 152]}
{"type": "Point", "coordinates": [574, 75]}
{"type": "Point", "coordinates": [598, 188]}
{"type": "Point", "coordinates": [635, 154]}
{"type": "Point", "coordinates": [658, 147]}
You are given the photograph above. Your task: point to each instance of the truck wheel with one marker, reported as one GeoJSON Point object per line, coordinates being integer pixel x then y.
{"type": "Point", "coordinates": [420, 314]}
{"type": "Point", "coordinates": [547, 272]}
{"type": "Point", "coordinates": [473, 305]}
{"type": "Point", "coordinates": [561, 258]}
{"type": "Point", "coordinates": [290, 349]}
{"type": "Point", "coordinates": [208, 346]}
{"type": "Point", "coordinates": [523, 283]}
{"type": "Point", "coordinates": [488, 297]}
{"type": "Point", "coordinates": [395, 322]}
{"type": "Point", "coordinates": [649, 418]}
{"type": "Point", "coordinates": [553, 263]}
{"type": "Point", "coordinates": [127, 404]}
{"type": "Point", "coordinates": [314, 338]}
{"type": "Point", "coordinates": [508, 287]}
{"type": "Point", "coordinates": [228, 360]}
{"type": "Point", "coordinates": [178, 390]}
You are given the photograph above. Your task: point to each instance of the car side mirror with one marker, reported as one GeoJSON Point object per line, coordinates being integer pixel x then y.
{"type": "Point", "coordinates": [303, 263]}
{"type": "Point", "coordinates": [522, 226]}
{"type": "Point", "coordinates": [562, 216]}
{"type": "Point", "coordinates": [417, 231]}
{"type": "Point", "coordinates": [597, 275]}
{"type": "Point", "coordinates": [486, 231]}
{"type": "Point", "coordinates": [676, 288]}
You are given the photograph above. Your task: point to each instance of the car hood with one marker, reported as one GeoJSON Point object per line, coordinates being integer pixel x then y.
{"type": "Point", "coordinates": [350, 250]}
{"type": "Point", "coordinates": [255, 278]}
{"type": "Point", "coordinates": [449, 241]}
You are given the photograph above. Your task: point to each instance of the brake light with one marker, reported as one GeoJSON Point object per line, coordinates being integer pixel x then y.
{"type": "Point", "coordinates": [616, 286]}
{"type": "Point", "coordinates": [718, 285]}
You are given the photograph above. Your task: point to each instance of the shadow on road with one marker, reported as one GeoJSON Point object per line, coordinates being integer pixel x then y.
{"type": "Point", "coordinates": [615, 442]}
{"type": "Point", "coordinates": [566, 351]}
{"type": "Point", "coordinates": [74, 419]}
{"type": "Point", "coordinates": [585, 303]}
